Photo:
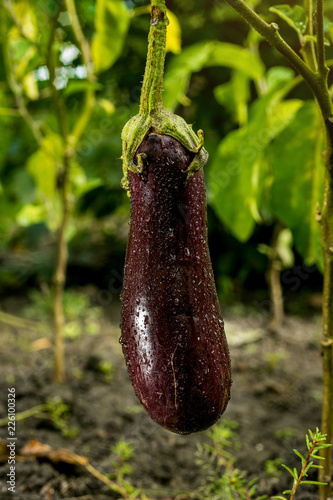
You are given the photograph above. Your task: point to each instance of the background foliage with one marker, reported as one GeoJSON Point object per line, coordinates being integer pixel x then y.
{"type": "Point", "coordinates": [261, 126]}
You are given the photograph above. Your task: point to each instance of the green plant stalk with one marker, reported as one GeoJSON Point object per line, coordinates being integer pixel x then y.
{"type": "Point", "coordinates": [322, 68]}
{"type": "Point", "coordinates": [274, 280]}
{"type": "Point", "coordinates": [151, 92]}
{"type": "Point", "coordinates": [10, 319]}
{"type": "Point", "coordinates": [59, 277]}
{"type": "Point", "coordinates": [325, 474]}
{"type": "Point", "coordinates": [71, 140]}
{"type": "Point", "coordinates": [271, 33]}
{"type": "Point", "coordinates": [317, 81]}
{"type": "Point", "coordinates": [308, 49]}
{"type": "Point", "coordinates": [152, 116]}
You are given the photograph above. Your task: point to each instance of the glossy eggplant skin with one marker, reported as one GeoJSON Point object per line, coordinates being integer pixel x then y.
{"type": "Point", "coordinates": [173, 336]}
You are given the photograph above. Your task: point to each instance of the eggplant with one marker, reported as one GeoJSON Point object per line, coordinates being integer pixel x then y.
{"type": "Point", "coordinates": [173, 336]}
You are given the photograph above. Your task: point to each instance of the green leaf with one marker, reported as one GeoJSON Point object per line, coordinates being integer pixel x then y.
{"type": "Point", "coordinates": [296, 159]}
{"type": "Point", "coordinates": [174, 34]}
{"type": "Point", "coordinates": [75, 86]}
{"type": "Point", "coordinates": [276, 74]}
{"type": "Point", "coordinates": [289, 470]}
{"type": "Point", "coordinates": [318, 483]}
{"type": "Point", "coordinates": [204, 54]}
{"type": "Point", "coordinates": [234, 95]}
{"type": "Point", "coordinates": [308, 444]}
{"type": "Point", "coordinates": [30, 214]}
{"type": "Point", "coordinates": [284, 248]}
{"type": "Point", "coordinates": [294, 16]}
{"type": "Point", "coordinates": [318, 457]}
{"type": "Point", "coordinates": [111, 25]}
{"type": "Point", "coordinates": [25, 15]}
{"type": "Point", "coordinates": [43, 164]}
{"type": "Point", "coordinates": [299, 455]}
{"type": "Point", "coordinates": [313, 38]}
{"type": "Point", "coordinates": [239, 169]}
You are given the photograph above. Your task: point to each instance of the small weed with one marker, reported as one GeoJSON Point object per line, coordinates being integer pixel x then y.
{"type": "Point", "coordinates": [59, 413]}
{"type": "Point", "coordinates": [106, 368]}
{"type": "Point", "coordinates": [77, 373]}
{"type": "Point", "coordinates": [224, 480]}
{"type": "Point", "coordinates": [273, 360]}
{"type": "Point", "coordinates": [10, 379]}
{"type": "Point", "coordinates": [272, 468]}
{"type": "Point", "coordinates": [122, 452]}
{"type": "Point", "coordinates": [314, 443]}
{"type": "Point", "coordinates": [287, 433]}
{"type": "Point", "coordinates": [80, 315]}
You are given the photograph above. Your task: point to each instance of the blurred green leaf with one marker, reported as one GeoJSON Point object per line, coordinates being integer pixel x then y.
{"type": "Point", "coordinates": [173, 38]}
{"type": "Point", "coordinates": [24, 13]}
{"type": "Point", "coordinates": [30, 86]}
{"type": "Point", "coordinates": [22, 57]}
{"type": "Point", "coordinates": [313, 38]}
{"type": "Point", "coordinates": [295, 156]}
{"type": "Point", "coordinates": [204, 54]}
{"type": "Point", "coordinates": [75, 86]}
{"type": "Point", "coordinates": [285, 248]}
{"type": "Point", "coordinates": [111, 25]}
{"type": "Point", "coordinates": [30, 214]}
{"type": "Point", "coordinates": [234, 95]}
{"type": "Point", "coordinates": [239, 170]}
{"type": "Point", "coordinates": [276, 74]}
{"type": "Point", "coordinates": [294, 16]}
{"type": "Point", "coordinates": [43, 165]}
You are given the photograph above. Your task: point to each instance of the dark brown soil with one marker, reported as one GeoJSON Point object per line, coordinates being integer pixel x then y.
{"type": "Point", "coordinates": [276, 398]}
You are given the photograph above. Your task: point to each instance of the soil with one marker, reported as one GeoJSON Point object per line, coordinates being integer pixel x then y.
{"type": "Point", "coordinates": [276, 398]}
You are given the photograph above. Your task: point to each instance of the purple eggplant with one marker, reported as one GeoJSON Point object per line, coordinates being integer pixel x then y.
{"type": "Point", "coordinates": [173, 336]}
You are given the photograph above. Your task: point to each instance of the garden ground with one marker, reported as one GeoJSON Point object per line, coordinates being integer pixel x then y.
{"type": "Point", "coordinates": [276, 398]}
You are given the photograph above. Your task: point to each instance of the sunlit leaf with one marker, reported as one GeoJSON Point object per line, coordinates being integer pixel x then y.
{"type": "Point", "coordinates": [43, 165]}
{"type": "Point", "coordinates": [30, 214]}
{"type": "Point", "coordinates": [76, 86]}
{"type": "Point", "coordinates": [284, 250]}
{"type": "Point", "coordinates": [25, 16]}
{"type": "Point", "coordinates": [111, 25]}
{"type": "Point", "coordinates": [313, 38]}
{"type": "Point", "coordinates": [173, 38]}
{"type": "Point", "coordinates": [107, 105]}
{"type": "Point", "coordinates": [204, 54]}
{"type": "Point", "coordinates": [294, 16]}
{"type": "Point", "coordinates": [239, 169]}
{"type": "Point", "coordinates": [276, 74]}
{"type": "Point", "coordinates": [234, 95]}
{"type": "Point", "coordinates": [30, 86]}
{"type": "Point", "coordinates": [296, 159]}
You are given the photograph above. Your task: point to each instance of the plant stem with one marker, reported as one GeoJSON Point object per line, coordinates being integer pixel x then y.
{"type": "Point", "coordinates": [151, 93]}
{"type": "Point", "coordinates": [80, 38]}
{"type": "Point", "coordinates": [317, 81]}
{"type": "Point", "coordinates": [325, 474]}
{"type": "Point", "coordinates": [322, 68]}
{"type": "Point", "coordinates": [308, 49]}
{"type": "Point", "coordinates": [71, 140]}
{"type": "Point", "coordinates": [271, 34]}
{"type": "Point", "coordinates": [274, 280]}
{"type": "Point", "coordinates": [59, 277]}
{"type": "Point", "coordinates": [18, 322]}
{"type": "Point", "coordinates": [89, 101]}
{"type": "Point", "coordinates": [22, 415]}
{"type": "Point", "coordinates": [301, 474]}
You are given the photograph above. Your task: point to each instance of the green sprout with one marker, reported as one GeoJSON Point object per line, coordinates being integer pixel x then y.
{"type": "Point", "coordinates": [315, 443]}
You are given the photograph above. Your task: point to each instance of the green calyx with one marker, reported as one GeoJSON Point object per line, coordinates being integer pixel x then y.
{"type": "Point", "coordinates": [153, 118]}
